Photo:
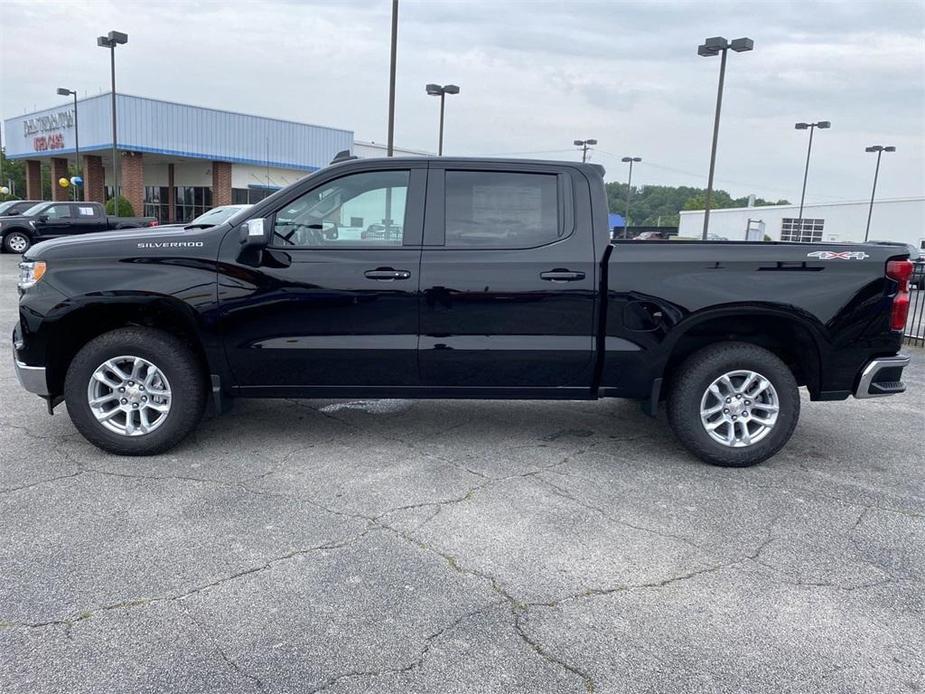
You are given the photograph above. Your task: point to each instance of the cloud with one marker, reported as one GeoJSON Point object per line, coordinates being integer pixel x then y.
{"type": "Point", "coordinates": [533, 76]}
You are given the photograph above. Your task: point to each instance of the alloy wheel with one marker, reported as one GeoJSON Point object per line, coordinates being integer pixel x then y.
{"type": "Point", "coordinates": [739, 408]}
{"type": "Point", "coordinates": [129, 395]}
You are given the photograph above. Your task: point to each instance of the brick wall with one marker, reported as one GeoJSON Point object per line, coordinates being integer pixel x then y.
{"type": "Point", "coordinates": [132, 181]}
{"type": "Point", "coordinates": [221, 183]}
{"type": "Point", "coordinates": [94, 179]}
{"type": "Point", "coordinates": [33, 179]}
{"type": "Point", "coordinates": [59, 170]}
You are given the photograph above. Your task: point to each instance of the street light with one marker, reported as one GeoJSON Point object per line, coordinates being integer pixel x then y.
{"type": "Point", "coordinates": [585, 146]}
{"type": "Point", "coordinates": [110, 41]}
{"type": "Point", "coordinates": [441, 91]}
{"type": "Point", "coordinates": [822, 125]}
{"type": "Point", "coordinates": [629, 184]}
{"type": "Point", "coordinates": [708, 48]}
{"type": "Point", "coordinates": [67, 92]}
{"type": "Point", "coordinates": [879, 149]}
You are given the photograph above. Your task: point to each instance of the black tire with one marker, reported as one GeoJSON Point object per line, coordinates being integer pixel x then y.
{"type": "Point", "coordinates": [169, 354]}
{"type": "Point", "coordinates": [10, 240]}
{"type": "Point", "coordinates": [701, 369]}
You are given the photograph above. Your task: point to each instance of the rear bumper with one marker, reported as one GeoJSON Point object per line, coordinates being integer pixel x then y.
{"type": "Point", "coordinates": [882, 377]}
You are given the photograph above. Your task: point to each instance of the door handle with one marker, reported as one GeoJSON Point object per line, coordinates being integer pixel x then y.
{"type": "Point", "coordinates": [560, 275]}
{"type": "Point", "coordinates": [386, 274]}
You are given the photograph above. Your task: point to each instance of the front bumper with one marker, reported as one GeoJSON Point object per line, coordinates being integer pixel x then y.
{"type": "Point", "coordinates": [882, 377]}
{"type": "Point", "coordinates": [32, 378]}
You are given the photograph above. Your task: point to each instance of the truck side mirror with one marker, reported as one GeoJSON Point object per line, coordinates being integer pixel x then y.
{"type": "Point", "coordinates": [255, 233]}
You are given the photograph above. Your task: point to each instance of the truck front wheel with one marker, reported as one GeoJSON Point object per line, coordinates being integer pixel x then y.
{"type": "Point", "coordinates": [734, 404]}
{"type": "Point", "coordinates": [135, 391]}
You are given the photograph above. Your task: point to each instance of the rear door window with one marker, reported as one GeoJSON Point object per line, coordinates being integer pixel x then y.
{"type": "Point", "coordinates": [500, 209]}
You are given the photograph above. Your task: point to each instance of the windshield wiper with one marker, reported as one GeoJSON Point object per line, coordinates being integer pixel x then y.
{"type": "Point", "coordinates": [199, 226]}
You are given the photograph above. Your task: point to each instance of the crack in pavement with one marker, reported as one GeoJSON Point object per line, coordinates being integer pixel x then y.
{"type": "Point", "coordinates": [588, 505]}
{"type": "Point", "coordinates": [519, 611]}
{"type": "Point", "coordinates": [596, 592]}
{"type": "Point", "coordinates": [551, 657]}
{"type": "Point", "coordinates": [233, 665]}
{"type": "Point", "coordinates": [71, 620]}
{"type": "Point", "coordinates": [416, 663]}
{"type": "Point", "coordinates": [516, 608]}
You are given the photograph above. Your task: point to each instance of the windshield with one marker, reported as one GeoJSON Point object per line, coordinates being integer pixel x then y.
{"type": "Point", "coordinates": [4, 206]}
{"type": "Point", "coordinates": [35, 209]}
{"type": "Point", "coordinates": [218, 215]}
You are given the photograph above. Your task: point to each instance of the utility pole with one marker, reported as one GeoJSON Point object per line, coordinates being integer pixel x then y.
{"type": "Point", "coordinates": [391, 149]}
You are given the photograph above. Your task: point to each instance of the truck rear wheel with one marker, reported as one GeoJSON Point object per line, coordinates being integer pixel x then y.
{"type": "Point", "coordinates": [734, 404]}
{"type": "Point", "coordinates": [135, 391]}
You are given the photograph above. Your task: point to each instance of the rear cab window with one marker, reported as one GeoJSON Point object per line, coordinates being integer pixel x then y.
{"type": "Point", "coordinates": [499, 209]}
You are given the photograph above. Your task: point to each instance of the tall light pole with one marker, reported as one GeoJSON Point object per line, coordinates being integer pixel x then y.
{"type": "Point", "coordinates": [110, 41]}
{"type": "Point", "coordinates": [394, 57]}
{"type": "Point", "coordinates": [823, 124]}
{"type": "Point", "coordinates": [68, 92]}
{"type": "Point", "coordinates": [711, 47]}
{"type": "Point", "coordinates": [879, 149]}
{"type": "Point", "coordinates": [585, 146]}
{"type": "Point", "coordinates": [441, 91]}
{"type": "Point", "coordinates": [629, 188]}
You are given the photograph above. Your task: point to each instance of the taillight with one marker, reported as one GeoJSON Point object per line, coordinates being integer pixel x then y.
{"type": "Point", "coordinates": [901, 271]}
{"type": "Point", "coordinates": [153, 223]}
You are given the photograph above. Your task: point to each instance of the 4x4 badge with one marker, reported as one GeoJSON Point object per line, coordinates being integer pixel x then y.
{"type": "Point", "coordinates": [838, 255]}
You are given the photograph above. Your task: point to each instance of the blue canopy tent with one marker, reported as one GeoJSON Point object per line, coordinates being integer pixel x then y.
{"type": "Point", "coordinates": [615, 220]}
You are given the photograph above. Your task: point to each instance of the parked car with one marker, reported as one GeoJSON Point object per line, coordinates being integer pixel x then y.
{"type": "Point", "coordinates": [46, 220]}
{"type": "Point", "coordinates": [11, 208]}
{"type": "Point", "coordinates": [495, 280]}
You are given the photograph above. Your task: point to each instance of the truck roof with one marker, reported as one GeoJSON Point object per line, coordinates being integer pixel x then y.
{"type": "Point", "coordinates": [591, 169]}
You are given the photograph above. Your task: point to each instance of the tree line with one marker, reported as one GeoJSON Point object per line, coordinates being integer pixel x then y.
{"type": "Point", "coordinates": [659, 205]}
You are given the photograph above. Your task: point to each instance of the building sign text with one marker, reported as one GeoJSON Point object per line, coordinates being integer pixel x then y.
{"type": "Point", "coordinates": [44, 124]}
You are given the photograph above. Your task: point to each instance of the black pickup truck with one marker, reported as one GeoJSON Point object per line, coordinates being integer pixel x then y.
{"type": "Point", "coordinates": [47, 220]}
{"type": "Point", "coordinates": [454, 278]}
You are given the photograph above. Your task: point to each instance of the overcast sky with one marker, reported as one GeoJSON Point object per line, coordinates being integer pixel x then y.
{"type": "Point", "coordinates": [533, 76]}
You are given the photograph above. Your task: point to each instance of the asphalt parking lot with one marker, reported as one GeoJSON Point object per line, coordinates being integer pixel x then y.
{"type": "Point", "coordinates": [443, 546]}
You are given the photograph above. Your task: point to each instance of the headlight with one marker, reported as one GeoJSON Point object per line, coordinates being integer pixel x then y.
{"type": "Point", "coordinates": [30, 272]}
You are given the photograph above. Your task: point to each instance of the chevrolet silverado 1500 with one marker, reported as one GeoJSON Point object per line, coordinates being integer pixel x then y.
{"type": "Point", "coordinates": [454, 278]}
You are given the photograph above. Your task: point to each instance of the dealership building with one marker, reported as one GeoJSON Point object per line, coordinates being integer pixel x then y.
{"type": "Point", "coordinates": [892, 219]}
{"type": "Point", "coordinates": [175, 160]}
